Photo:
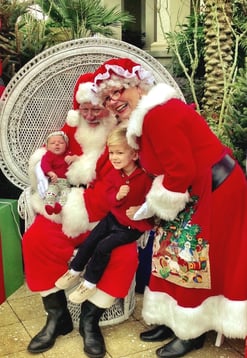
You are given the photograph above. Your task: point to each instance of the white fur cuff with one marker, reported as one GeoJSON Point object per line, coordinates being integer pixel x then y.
{"type": "Point", "coordinates": [166, 204]}
{"type": "Point", "coordinates": [74, 214]}
{"type": "Point", "coordinates": [215, 313]}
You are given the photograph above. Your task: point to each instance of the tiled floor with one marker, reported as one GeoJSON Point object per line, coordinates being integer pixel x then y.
{"type": "Point", "coordinates": [22, 316]}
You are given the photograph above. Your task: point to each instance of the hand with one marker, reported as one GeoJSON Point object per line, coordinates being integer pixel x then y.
{"type": "Point", "coordinates": [53, 177]}
{"type": "Point", "coordinates": [131, 211]}
{"type": "Point", "coordinates": [123, 191]}
{"type": "Point", "coordinates": [144, 212]}
{"type": "Point", "coordinates": [42, 180]}
{"type": "Point", "coordinates": [70, 159]}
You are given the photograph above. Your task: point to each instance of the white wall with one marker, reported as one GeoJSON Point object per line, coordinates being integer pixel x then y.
{"type": "Point", "coordinates": [173, 12]}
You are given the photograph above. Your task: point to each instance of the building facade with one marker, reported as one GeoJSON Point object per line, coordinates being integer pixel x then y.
{"type": "Point", "coordinates": [153, 19]}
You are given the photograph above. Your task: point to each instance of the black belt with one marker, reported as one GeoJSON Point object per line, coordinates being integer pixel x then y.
{"type": "Point", "coordinates": [78, 186]}
{"type": "Point", "coordinates": [221, 170]}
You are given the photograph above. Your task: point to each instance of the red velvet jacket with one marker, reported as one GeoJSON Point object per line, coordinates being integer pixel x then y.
{"type": "Point", "coordinates": [139, 183]}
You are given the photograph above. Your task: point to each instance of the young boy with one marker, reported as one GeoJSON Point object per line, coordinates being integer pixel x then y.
{"type": "Point", "coordinates": [54, 164]}
{"type": "Point", "coordinates": [127, 187]}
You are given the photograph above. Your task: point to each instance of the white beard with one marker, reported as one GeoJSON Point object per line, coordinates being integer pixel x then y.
{"type": "Point", "coordinates": [92, 142]}
{"type": "Point", "coordinates": [74, 217]}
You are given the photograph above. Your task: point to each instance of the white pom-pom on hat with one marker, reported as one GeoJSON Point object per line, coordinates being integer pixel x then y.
{"type": "Point", "coordinates": [73, 117]}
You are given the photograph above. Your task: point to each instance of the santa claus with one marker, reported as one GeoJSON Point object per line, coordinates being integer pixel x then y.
{"type": "Point", "coordinates": [49, 242]}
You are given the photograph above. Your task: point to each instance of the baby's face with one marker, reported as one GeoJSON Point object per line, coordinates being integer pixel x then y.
{"type": "Point", "coordinates": [56, 144]}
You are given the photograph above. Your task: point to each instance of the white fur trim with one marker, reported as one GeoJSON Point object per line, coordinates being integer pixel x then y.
{"type": "Point", "coordinates": [38, 206]}
{"type": "Point", "coordinates": [215, 313]}
{"type": "Point", "coordinates": [159, 94]}
{"type": "Point", "coordinates": [82, 171]}
{"type": "Point", "coordinates": [166, 204]}
{"type": "Point", "coordinates": [92, 141]}
{"type": "Point", "coordinates": [74, 217]}
{"type": "Point", "coordinates": [74, 214]}
{"type": "Point", "coordinates": [73, 118]}
{"type": "Point", "coordinates": [85, 94]}
{"type": "Point", "coordinates": [34, 159]}
{"type": "Point", "coordinates": [37, 202]}
{"type": "Point", "coordinates": [136, 70]}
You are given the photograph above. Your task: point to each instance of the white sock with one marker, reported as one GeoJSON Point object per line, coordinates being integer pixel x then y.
{"type": "Point", "coordinates": [89, 284]}
{"type": "Point", "coordinates": [74, 273]}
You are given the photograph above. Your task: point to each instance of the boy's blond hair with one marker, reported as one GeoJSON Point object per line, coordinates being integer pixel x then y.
{"type": "Point", "coordinates": [117, 136]}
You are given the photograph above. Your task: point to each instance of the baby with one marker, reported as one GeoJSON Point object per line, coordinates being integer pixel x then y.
{"type": "Point", "coordinates": [55, 163]}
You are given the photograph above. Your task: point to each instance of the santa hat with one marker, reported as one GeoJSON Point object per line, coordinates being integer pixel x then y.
{"type": "Point", "coordinates": [82, 93]}
{"type": "Point", "coordinates": [124, 68]}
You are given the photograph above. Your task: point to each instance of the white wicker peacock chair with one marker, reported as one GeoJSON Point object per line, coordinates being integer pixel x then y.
{"type": "Point", "coordinates": [36, 101]}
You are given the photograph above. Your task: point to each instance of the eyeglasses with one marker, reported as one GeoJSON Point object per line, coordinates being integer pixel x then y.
{"type": "Point", "coordinates": [114, 96]}
{"type": "Point", "coordinates": [93, 111]}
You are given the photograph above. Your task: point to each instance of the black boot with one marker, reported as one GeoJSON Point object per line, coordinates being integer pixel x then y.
{"type": "Point", "coordinates": [94, 345]}
{"type": "Point", "coordinates": [58, 322]}
{"type": "Point", "coordinates": [157, 334]}
{"type": "Point", "coordinates": [178, 347]}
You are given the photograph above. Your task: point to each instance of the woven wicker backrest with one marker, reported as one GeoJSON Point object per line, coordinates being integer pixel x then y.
{"type": "Point", "coordinates": [37, 99]}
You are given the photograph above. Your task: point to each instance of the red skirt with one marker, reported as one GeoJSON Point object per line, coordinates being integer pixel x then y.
{"type": "Point", "coordinates": [47, 251]}
{"type": "Point", "coordinates": [223, 306]}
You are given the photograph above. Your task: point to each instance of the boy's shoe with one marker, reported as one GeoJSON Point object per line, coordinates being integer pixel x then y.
{"type": "Point", "coordinates": [81, 294]}
{"type": "Point", "coordinates": [67, 281]}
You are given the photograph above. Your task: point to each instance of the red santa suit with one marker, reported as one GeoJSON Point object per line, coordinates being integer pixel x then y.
{"type": "Point", "coordinates": [49, 242]}
{"type": "Point", "coordinates": [179, 150]}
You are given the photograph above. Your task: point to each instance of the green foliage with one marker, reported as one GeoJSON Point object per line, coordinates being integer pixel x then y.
{"type": "Point", "coordinates": [236, 117]}
{"type": "Point", "coordinates": [185, 42]}
{"type": "Point", "coordinates": [187, 48]}
{"type": "Point", "coordinates": [10, 42]}
{"type": "Point", "coordinates": [10, 10]}
{"type": "Point", "coordinates": [23, 34]}
{"type": "Point", "coordinates": [184, 85]}
{"type": "Point", "coordinates": [32, 37]}
{"type": "Point", "coordinates": [240, 25]}
{"type": "Point", "coordinates": [82, 18]}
